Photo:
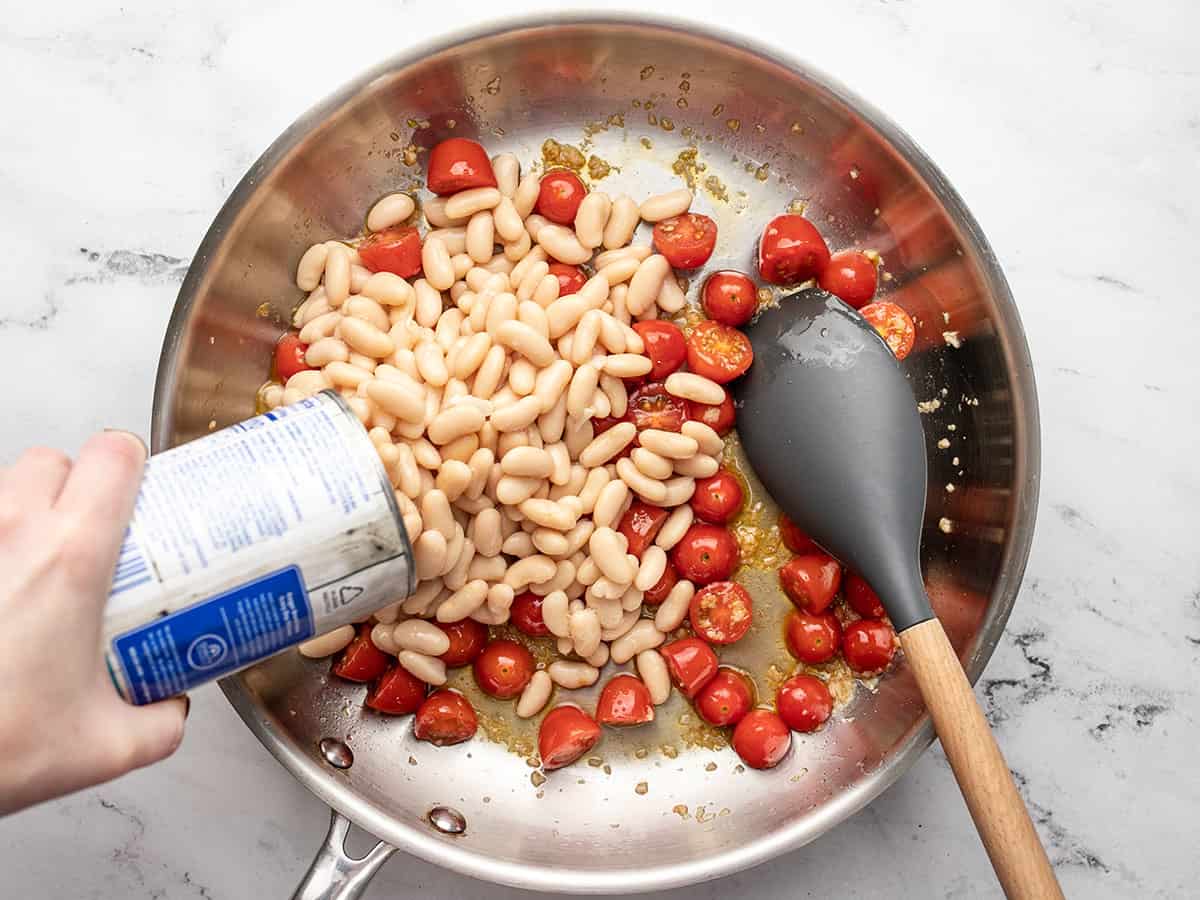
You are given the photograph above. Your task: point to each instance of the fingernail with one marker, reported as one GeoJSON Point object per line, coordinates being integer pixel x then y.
{"type": "Point", "coordinates": [131, 435]}
{"type": "Point", "coordinates": [187, 705]}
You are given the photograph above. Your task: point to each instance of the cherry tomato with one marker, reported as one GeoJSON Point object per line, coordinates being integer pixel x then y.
{"type": "Point", "coordinates": [718, 352]}
{"type": "Point", "coordinates": [730, 298]}
{"type": "Point", "coordinates": [457, 164]}
{"type": "Point", "coordinates": [664, 345]}
{"type": "Point", "coordinates": [725, 699]}
{"type": "Point", "coordinates": [812, 638]}
{"type": "Point", "coordinates": [861, 598]}
{"type": "Point", "coordinates": [686, 241]}
{"type": "Point", "coordinates": [692, 664]}
{"type": "Point", "coordinates": [719, 417]}
{"type": "Point", "coordinates": [289, 356]}
{"type": "Point", "coordinates": [601, 424]}
{"type": "Point", "coordinates": [721, 612]}
{"type": "Point", "coordinates": [503, 669]}
{"type": "Point", "coordinates": [397, 692]}
{"type": "Point", "coordinates": [793, 538]}
{"type": "Point", "coordinates": [804, 703]}
{"type": "Point", "coordinates": [570, 278]}
{"type": "Point", "coordinates": [625, 700]}
{"type": "Point", "coordinates": [762, 739]}
{"type": "Point", "coordinates": [651, 406]}
{"type": "Point", "coordinates": [706, 553]}
{"type": "Point", "coordinates": [445, 718]}
{"type": "Point", "coordinates": [526, 614]}
{"type": "Point", "coordinates": [640, 525]}
{"type": "Point", "coordinates": [894, 325]}
{"type": "Point", "coordinates": [396, 250]}
{"type": "Point", "coordinates": [467, 639]}
{"type": "Point", "coordinates": [559, 196]}
{"type": "Point", "coordinates": [566, 734]}
{"type": "Point", "coordinates": [718, 498]}
{"type": "Point", "coordinates": [868, 646]}
{"type": "Point", "coordinates": [361, 660]}
{"type": "Point", "coordinates": [811, 581]}
{"type": "Point", "coordinates": [791, 251]}
{"type": "Point", "coordinates": [658, 593]}
{"type": "Point", "coordinates": [850, 275]}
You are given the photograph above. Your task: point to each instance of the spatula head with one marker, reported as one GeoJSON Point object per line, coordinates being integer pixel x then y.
{"type": "Point", "coordinates": [831, 427]}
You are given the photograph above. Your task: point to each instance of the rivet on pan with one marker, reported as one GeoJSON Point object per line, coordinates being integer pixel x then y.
{"type": "Point", "coordinates": [336, 753]}
{"type": "Point", "coordinates": [447, 820]}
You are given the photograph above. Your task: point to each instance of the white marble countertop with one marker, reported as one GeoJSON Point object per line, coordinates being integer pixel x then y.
{"type": "Point", "coordinates": [1072, 130]}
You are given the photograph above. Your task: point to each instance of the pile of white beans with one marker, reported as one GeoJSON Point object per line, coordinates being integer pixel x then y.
{"type": "Point", "coordinates": [477, 384]}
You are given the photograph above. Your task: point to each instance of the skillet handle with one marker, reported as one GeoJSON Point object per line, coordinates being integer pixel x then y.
{"type": "Point", "coordinates": [1000, 816]}
{"type": "Point", "coordinates": [334, 874]}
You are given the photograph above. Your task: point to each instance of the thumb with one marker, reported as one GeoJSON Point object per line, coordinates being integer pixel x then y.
{"type": "Point", "coordinates": [146, 734]}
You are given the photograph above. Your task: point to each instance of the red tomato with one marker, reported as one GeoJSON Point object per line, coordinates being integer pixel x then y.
{"type": "Point", "coordinates": [467, 639]}
{"type": "Point", "coordinates": [804, 702]}
{"type": "Point", "coordinates": [762, 739]}
{"type": "Point", "coordinates": [861, 598]}
{"type": "Point", "coordinates": [397, 692]}
{"type": "Point", "coordinates": [721, 613]}
{"type": "Point", "coordinates": [791, 251]}
{"type": "Point", "coordinates": [396, 250]}
{"type": "Point", "coordinates": [566, 734]}
{"type": "Point", "coordinates": [730, 298]}
{"type": "Point", "coordinates": [868, 646]}
{"type": "Point", "coordinates": [289, 356]}
{"type": "Point", "coordinates": [664, 345]}
{"type": "Point", "coordinates": [457, 164]}
{"type": "Point", "coordinates": [811, 581]}
{"type": "Point", "coordinates": [894, 325]}
{"type": "Point", "coordinates": [692, 664]}
{"type": "Point", "coordinates": [602, 424]}
{"type": "Point", "coordinates": [526, 614]}
{"type": "Point", "coordinates": [651, 406]}
{"type": "Point", "coordinates": [361, 660]}
{"type": "Point", "coordinates": [503, 669]}
{"type": "Point", "coordinates": [718, 498]}
{"type": "Point", "coordinates": [445, 718]}
{"type": "Point", "coordinates": [793, 538]}
{"type": "Point", "coordinates": [625, 700]}
{"type": "Point", "coordinates": [850, 275]}
{"type": "Point", "coordinates": [725, 699]}
{"type": "Point", "coordinates": [706, 553]}
{"type": "Point", "coordinates": [686, 241]}
{"type": "Point", "coordinates": [718, 352]}
{"type": "Point", "coordinates": [570, 278]}
{"type": "Point", "coordinates": [640, 525]}
{"type": "Point", "coordinates": [812, 638]}
{"type": "Point", "coordinates": [658, 593]}
{"type": "Point", "coordinates": [559, 196]}
{"type": "Point", "coordinates": [720, 417]}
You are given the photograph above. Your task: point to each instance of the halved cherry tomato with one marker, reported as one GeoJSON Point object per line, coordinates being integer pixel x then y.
{"type": "Point", "coordinates": [664, 345]}
{"type": "Point", "coordinates": [730, 298]}
{"type": "Point", "coordinates": [811, 581]}
{"type": "Point", "coordinates": [804, 703]}
{"type": "Point", "coordinates": [868, 646]}
{"type": "Point", "coordinates": [396, 250]}
{"type": "Point", "coordinates": [601, 424]}
{"type": "Point", "coordinates": [467, 639]}
{"type": "Point", "coordinates": [566, 734]}
{"type": "Point", "coordinates": [718, 498]}
{"type": "Point", "coordinates": [397, 692]}
{"type": "Point", "coordinates": [457, 164]}
{"type": "Point", "coordinates": [850, 275]}
{"type": "Point", "coordinates": [721, 613]}
{"type": "Point", "coordinates": [861, 598]}
{"type": "Point", "coordinates": [658, 593]}
{"type": "Point", "coordinates": [289, 356]}
{"type": "Point", "coordinates": [706, 553]}
{"type": "Point", "coordinates": [793, 538]}
{"type": "Point", "coordinates": [640, 525]}
{"type": "Point", "coordinates": [691, 662]}
{"type": "Point", "coordinates": [719, 417]}
{"type": "Point", "coordinates": [445, 718]}
{"type": "Point", "coordinates": [559, 196]}
{"type": "Point", "coordinates": [762, 739]}
{"type": "Point", "coordinates": [361, 660]}
{"type": "Point", "coordinates": [570, 278]}
{"type": "Point", "coordinates": [725, 699]}
{"type": "Point", "coordinates": [687, 241]}
{"type": "Point", "coordinates": [526, 614]}
{"type": "Point", "coordinates": [791, 250]}
{"type": "Point", "coordinates": [894, 325]}
{"type": "Point", "coordinates": [813, 638]}
{"type": "Point", "coordinates": [650, 406]}
{"type": "Point", "coordinates": [625, 700]}
{"type": "Point", "coordinates": [718, 352]}
{"type": "Point", "coordinates": [503, 669]}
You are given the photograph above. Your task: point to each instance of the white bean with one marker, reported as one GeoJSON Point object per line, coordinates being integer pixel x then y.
{"type": "Point", "coordinates": [562, 244]}
{"type": "Point", "coordinates": [674, 609]}
{"type": "Point", "coordinates": [344, 374]}
{"type": "Point", "coordinates": [670, 444]}
{"type": "Point", "coordinates": [678, 490]}
{"type": "Point", "coordinates": [627, 365]}
{"type": "Point", "coordinates": [530, 570]}
{"type": "Point", "coordinates": [311, 267]}
{"type": "Point", "coordinates": [653, 670]}
{"type": "Point", "coordinates": [481, 235]}
{"type": "Point", "coordinates": [620, 270]}
{"type": "Point", "coordinates": [429, 554]}
{"type": "Point", "coordinates": [590, 220]}
{"type": "Point", "coordinates": [608, 553]}
{"type": "Point", "coordinates": [326, 350]}
{"type": "Point", "coordinates": [453, 478]}
{"type": "Point", "coordinates": [435, 213]}
{"type": "Point", "coordinates": [654, 564]}
{"type": "Point", "coordinates": [381, 637]}
{"type": "Point", "coordinates": [546, 291]}
{"type": "Point", "coordinates": [697, 388]}
{"type": "Point", "coordinates": [528, 462]}
{"type": "Point", "coordinates": [327, 644]}
{"type": "Point", "coordinates": [609, 504]}
{"type": "Point", "coordinates": [636, 251]}
{"type": "Point", "coordinates": [512, 491]}
{"type": "Point", "coordinates": [572, 675]}
{"type": "Point", "coordinates": [466, 203]}
{"type": "Point", "coordinates": [530, 280]}
{"type": "Point", "coordinates": [642, 636]}
{"type": "Point", "coordinates": [508, 224]}
{"type": "Point", "coordinates": [526, 194]}
{"type": "Point", "coordinates": [427, 668]}
{"type": "Point", "coordinates": [455, 422]}
{"type": "Point", "coordinates": [548, 513]}
{"type": "Point", "coordinates": [405, 401]}
{"type": "Point", "coordinates": [622, 221]}
{"type": "Point", "coordinates": [390, 210]}
{"type": "Point", "coordinates": [427, 304]}
{"type": "Point", "coordinates": [518, 415]}
{"type": "Point", "coordinates": [585, 631]}
{"type": "Point", "coordinates": [337, 274]}
{"type": "Point", "coordinates": [705, 437]}
{"type": "Point", "coordinates": [435, 261]}
{"type": "Point", "coordinates": [421, 636]}
{"type": "Point", "coordinates": [321, 327]}
{"type": "Point", "coordinates": [649, 489]}
{"type": "Point", "coordinates": [534, 316]}
{"type": "Point", "coordinates": [671, 298]}
{"type": "Point", "coordinates": [664, 206]}
{"type": "Point", "coordinates": [525, 340]}
{"type": "Point", "coordinates": [699, 466]}
{"type": "Point", "coordinates": [463, 602]}
{"type": "Point", "coordinates": [535, 696]}
{"type": "Point", "coordinates": [365, 337]}
{"type": "Point", "coordinates": [646, 283]}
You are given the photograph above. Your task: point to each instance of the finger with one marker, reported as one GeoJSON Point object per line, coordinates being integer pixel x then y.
{"type": "Point", "coordinates": [34, 481]}
{"type": "Point", "coordinates": [142, 735]}
{"type": "Point", "coordinates": [100, 493]}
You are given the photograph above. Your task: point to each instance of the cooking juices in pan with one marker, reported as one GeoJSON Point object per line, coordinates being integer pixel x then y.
{"type": "Point", "coordinates": [551, 412]}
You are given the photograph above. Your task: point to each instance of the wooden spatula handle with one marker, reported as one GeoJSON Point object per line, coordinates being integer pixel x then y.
{"type": "Point", "coordinates": [1000, 816]}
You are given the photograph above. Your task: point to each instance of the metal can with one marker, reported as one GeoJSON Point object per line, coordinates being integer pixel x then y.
{"type": "Point", "coordinates": [251, 540]}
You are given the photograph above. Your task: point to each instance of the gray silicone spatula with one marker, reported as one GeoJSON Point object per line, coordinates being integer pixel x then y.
{"type": "Point", "coordinates": [831, 427]}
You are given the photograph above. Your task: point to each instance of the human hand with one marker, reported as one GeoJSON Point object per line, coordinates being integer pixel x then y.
{"type": "Point", "coordinates": [62, 724]}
